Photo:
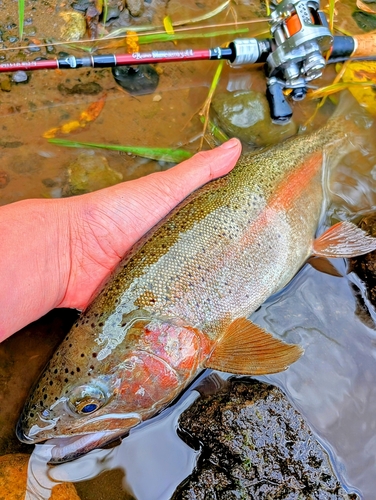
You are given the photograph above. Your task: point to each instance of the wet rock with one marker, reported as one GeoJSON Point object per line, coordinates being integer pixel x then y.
{"type": "Point", "coordinates": [364, 266]}
{"type": "Point", "coordinates": [254, 445]}
{"type": "Point", "coordinates": [74, 26]}
{"type": "Point", "coordinates": [20, 77]}
{"type": "Point", "coordinates": [135, 7]}
{"type": "Point", "coordinates": [137, 80]}
{"type": "Point", "coordinates": [13, 476]}
{"type": "Point", "coordinates": [89, 173]}
{"type": "Point", "coordinates": [81, 5]}
{"type": "Point", "coordinates": [4, 179]}
{"type": "Point", "coordinates": [90, 88]}
{"type": "Point", "coordinates": [245, 114]}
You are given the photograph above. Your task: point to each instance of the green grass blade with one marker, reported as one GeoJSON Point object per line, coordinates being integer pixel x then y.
{"type": "Point", "coordinates": [105, 12]}
{"type": "Point", "coordinates": [215, 130]}
{"type": "Point", "coordinates": [163, 154]}
{"type": "Point", "coordinates": [21, 16]}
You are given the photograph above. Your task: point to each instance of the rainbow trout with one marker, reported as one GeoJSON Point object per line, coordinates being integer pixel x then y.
{"type": "Point", "coordinates": [179, 300]}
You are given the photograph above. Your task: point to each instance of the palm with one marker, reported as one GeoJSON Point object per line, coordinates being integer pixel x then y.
{"type": "Point", "coordinates": [108, 222]}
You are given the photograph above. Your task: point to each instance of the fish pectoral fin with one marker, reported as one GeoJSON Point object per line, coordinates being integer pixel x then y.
{"type": "Point", "coordinates": [247, 349]}
{"type": "Point", "coordinates": [323, 265]}
{"type": "Point", "coordinates": [344, 239]}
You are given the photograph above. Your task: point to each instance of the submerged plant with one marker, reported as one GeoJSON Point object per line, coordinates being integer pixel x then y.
{"type": "Point", "coordinates": [159, 154]}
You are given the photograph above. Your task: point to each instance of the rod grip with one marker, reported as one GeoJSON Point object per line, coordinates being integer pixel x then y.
{"type": "Point", "coordinates": [365, 45]}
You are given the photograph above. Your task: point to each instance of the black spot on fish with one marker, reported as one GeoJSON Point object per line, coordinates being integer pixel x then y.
{"type": "Point", "coordinates": [31, 415]}
{"type": "Point", "coordinates": [66, 380]}
{"type": "Point", "coordinates": [95, 354]}
{"type": "Point", "coordinates": [51, 383]}
{"type": "Point", "coordinates": [78, 369]}
{"type": "Point", "coordinates": [72, 372]}
{"type": "Point", "coordinates": [45, 396]}
{"type": "Point", "coordinates": [91, 367]}
{"type": "Point", "coordinates": [101, 324]}
{"type": "Point", "coordinates": [66, 370]}
{"type": "Point", "coordinates": [70, 345]}
{"type": "Point", "coordinates": [55, 371]}
{"type": "Point", "coordinates": [82, 355]}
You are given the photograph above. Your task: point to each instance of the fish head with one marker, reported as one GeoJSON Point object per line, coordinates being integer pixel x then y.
{"type": "Point", "coordinates": [87, 402]}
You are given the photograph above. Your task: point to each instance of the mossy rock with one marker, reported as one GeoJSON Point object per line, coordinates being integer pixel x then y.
{"type": "Point", "coordinates": [89, 173]}
{"type": "Point", "coordinates": [254, 444]}
{"type": "Point", "coordinates": [245, 114]}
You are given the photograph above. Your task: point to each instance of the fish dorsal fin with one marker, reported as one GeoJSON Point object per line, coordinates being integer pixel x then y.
{"type": "Point", "coordinates": [247, 349]}
{"type": "Point", "coordinates": [344, 239]}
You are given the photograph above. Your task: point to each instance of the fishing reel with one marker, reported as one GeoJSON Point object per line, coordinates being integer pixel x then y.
{"type": "Point", "coordinates": [294, 54]}
{"type": "Point", "coordinates": [300, 37]}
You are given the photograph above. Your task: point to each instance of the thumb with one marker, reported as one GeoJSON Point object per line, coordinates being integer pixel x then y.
{"type": "Point", "coordinates": [179, 181]}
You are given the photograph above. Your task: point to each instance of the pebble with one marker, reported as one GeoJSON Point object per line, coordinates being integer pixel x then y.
{"type": "Point", "coordinates": [20, 77]}
{"type": "Point", "coordinates": [135, 7]}
{"type": "Point", "coordinates": [4, 179]}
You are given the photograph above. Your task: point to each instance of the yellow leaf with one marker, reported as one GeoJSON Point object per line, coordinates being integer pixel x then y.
{"type": "Point", "coordinates": [69, 127]}
{"type": "Point", "coordinates": [93, 111]}
{"type": "Point", "coordinates": [362, 72]}
{"type": "Point", "coordinates": [362, 6]}
{"type": "Point", "coordinates": [132, 42]}
{"type": "Point", "coordinates": [167, 23]}
{"type": "Point", "coordinates": [50, 134]}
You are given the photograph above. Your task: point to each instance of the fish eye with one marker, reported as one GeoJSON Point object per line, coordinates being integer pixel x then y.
{"type": "Point", "coordinates": [86, 399]}
{"type": "Point", "coordinates": [87, 405]}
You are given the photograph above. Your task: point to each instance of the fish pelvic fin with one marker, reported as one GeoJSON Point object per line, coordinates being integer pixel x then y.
{"type": "Point", "coordinates": [247, 349]}
{"type": "Point", "coordinates": [344, 239]}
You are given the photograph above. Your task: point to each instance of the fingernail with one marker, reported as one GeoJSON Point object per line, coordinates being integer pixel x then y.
{"type": "Point", "coordinates": [232, 143]}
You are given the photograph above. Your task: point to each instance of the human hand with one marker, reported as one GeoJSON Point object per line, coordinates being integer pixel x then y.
{"type": "Point", "coordinates": [55, 253]}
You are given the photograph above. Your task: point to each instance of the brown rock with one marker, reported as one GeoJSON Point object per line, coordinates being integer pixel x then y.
{"type": "Point", "coordinates": [13, 476]}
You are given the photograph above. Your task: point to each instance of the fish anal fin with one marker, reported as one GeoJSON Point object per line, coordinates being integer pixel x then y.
{"type": "Point", "coordinates": [344, 239]}
{"type": "Point", "coordinates": [323, 265]}
{"type": "Point", "coordinates": [247, 349]}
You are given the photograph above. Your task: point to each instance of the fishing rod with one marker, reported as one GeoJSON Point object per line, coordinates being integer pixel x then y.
{"type": "Point", "coordinates": [293, 56]}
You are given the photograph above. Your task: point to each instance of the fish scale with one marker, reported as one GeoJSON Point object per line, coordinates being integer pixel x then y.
{"type": "Point", "coordinates": [179, 300]}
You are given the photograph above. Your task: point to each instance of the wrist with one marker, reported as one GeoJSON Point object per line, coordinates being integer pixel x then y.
{"type": "Point", "coordinates": [35, 262]}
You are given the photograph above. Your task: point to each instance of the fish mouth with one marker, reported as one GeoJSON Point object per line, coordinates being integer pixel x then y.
{"type": "Point", "coordinates": [24, 438]}
{"type": "Point", "coordinates": [97, 433]}
{"type": "Point", "coordinates": [67, 449]}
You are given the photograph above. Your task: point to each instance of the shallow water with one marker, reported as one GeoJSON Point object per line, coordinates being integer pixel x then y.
{"type": "Point", "coordinates": [332, 385]}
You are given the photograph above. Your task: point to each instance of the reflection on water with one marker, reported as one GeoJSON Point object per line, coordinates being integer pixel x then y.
{"type": "Point", "coordinates": [153, 451]}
